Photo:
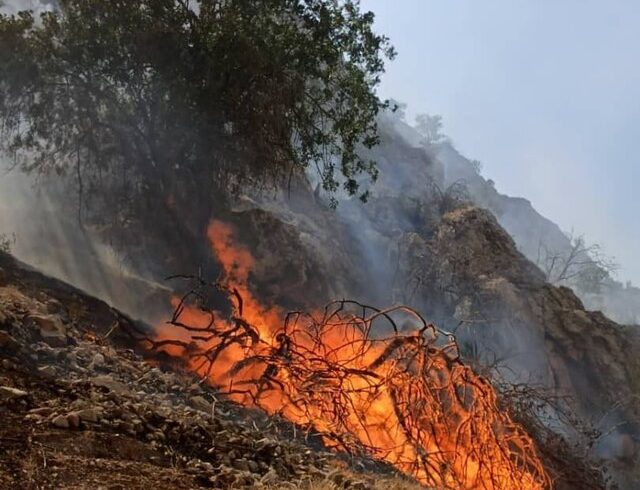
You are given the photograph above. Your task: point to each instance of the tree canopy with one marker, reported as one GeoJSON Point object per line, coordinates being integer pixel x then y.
{"type": "Point", "coordinates": [148, 101]}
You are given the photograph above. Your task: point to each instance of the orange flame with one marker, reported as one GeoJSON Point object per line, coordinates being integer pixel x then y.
{"type": "Point", "coordinates": [404, 399]}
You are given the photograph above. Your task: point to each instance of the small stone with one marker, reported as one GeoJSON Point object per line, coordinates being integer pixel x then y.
{"type": "Point", "coordinates": [73, 420]}
{"type": "Point", "coordinates": [41, 411]}
{"type": "Point", "coordinates": [270, 477]}
{"type": "Point", "coordinates": [110, 383]}
{"type": "Point", "coordinates": [9, 393]}
{"type": "Point", "coordinates": [199, 403]}
{"type": "Point", "coordinates": [54, 306]}
{"type": "Point", "coordinates": [48, 371]}
{"type": "Point", "coordinates": [44, 349]}
{"type": "Point", "coordinates": [90, 414]}
{"type": "Point", "coordinates": [241, 464]}
{"type": "Point", "coordinates": [98, 360]}
{"type": "Point", "coordinates": [52, 331]}
{"type": "Point", "coordinates": [61, 422]}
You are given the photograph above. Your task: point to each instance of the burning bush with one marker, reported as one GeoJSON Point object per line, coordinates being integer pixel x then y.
{"type": "Point", "coordinates": [385, 382]}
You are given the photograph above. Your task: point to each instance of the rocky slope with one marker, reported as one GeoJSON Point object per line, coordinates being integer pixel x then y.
{"type": "Point", "coordinates": [451, 260]}
{"type": "Point", "coordinates": [79, 409]}
{"type": "Point", "coordinates": [532, 232]}
{"type": "Point", "coordinates": [534, 235]}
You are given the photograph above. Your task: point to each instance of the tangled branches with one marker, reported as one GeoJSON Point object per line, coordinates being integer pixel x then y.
{"type": "Point", "coordinates": [403, 397]}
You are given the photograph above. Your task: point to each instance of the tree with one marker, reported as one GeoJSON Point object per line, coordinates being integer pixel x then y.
{"type": "Point", "coordinates": [448, 199]}
{"type": "Point", "coordinates": [164, 106]}
{"type": "Point", "coordinates": [581, 265]}
{"type": "Point", "coordinates": [477, 166]}
{"type": "Point", "coordinates": [6, 242]}
{"type": "Point", "coordinates": [430, 127]}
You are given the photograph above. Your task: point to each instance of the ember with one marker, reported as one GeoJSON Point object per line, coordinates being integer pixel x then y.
{"type": "Point", "coordinates": [381, 381]}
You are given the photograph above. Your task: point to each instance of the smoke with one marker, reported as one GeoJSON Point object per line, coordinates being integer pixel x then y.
{"type": "Point", "coordinates": [40, 217]}
{"type": "Point", "coordinates": [37, 6]}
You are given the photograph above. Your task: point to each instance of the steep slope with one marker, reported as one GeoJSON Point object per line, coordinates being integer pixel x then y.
{"type": "Point", "coordinates": [532, 232]}
{"type": "Point", "coordinates": [583, 352]}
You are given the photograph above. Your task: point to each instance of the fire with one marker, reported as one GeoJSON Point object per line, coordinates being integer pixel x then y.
{"type": "Point", "coordinates": [405, 398]}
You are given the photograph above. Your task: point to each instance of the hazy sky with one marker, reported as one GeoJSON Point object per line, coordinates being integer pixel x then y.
{"type": "Point", "coordinates": [545, 93]}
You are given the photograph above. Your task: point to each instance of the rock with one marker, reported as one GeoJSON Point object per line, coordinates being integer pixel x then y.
{"type": "Point", "coordinates": [7, 342]}
{"type": "Point", "coordinates": [48, 371]}
{"type": "Point", "coordinates": [127, 427]}
{"type": "Point", "coordinates": [73, 420]}
{"type": "Point", "coordinates": [270, 477]}
{"type": "Point", "coordinates": [110, 383]}
{"type": "Point", "coordinates": [9, 393]}
{"type": "Point", "coordinates": [98, 360]}
{"type": "Point", "coordinates": [93, 414]}
{"type": "Point", "coordinates": [45, 350]}
{"type": "Point", "coordinates": [43, 411]}
{"type": "Point", "coordinates": [241, 464]}
{"type": "Point", "coordinates": [199, 403]}
{"type": "Point", "coordinates": [61, 422]}
{"type": "Point", "coordinates": [52, 330]}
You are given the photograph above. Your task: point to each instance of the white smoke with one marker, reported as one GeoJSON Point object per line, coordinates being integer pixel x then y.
{"type": "Point", "coordinates": [37, 6]}
{"type": "Point", "coordinates": [44, 232]}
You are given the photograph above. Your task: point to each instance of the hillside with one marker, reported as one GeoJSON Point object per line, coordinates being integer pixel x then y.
{"type": "Point", "coordinates": [245, 270]}
{"type": "Point", "coordinates": [534, 234]}
{"type": "Point", "coordinates": [410, 244]}
{"type": "Point", "coordinates": [81, 409]}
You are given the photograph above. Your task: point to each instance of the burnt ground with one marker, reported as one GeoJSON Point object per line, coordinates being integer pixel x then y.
{"type": "Point", "coordinates": [81, 409]}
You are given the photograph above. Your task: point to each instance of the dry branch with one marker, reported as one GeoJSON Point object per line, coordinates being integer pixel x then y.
{"type": "Point", "coordinates": [403, 397]}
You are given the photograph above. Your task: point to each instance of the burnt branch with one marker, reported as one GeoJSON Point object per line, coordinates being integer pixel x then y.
{"type": "Point", "coordinates": [350, 374]}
